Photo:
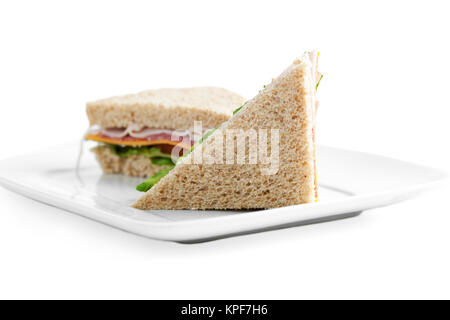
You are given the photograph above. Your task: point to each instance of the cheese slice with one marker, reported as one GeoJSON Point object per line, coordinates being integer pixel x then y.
{"type": "Point", "coordinates": [134, 143]}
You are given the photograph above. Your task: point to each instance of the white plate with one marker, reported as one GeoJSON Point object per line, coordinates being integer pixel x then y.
{"type": "Point", "coordinates": [350, 182]}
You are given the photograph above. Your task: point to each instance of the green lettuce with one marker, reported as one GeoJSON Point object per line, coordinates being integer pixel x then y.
{"type": "Point", "coordinates": [239, 109]}
{"type": "Point", "coordinates": [317, 85]}
{"type": "Point", "coordinates": [162, 161]}
{"type": "Point", "coordinates": [153, 153]}
{"type": "Point", "coordinates": [149, 183]}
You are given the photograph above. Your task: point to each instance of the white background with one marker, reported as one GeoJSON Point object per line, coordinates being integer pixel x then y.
{"type": "Point", "coordinates": [385, 91]}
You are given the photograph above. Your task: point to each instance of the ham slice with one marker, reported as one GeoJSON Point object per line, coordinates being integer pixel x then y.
{"type": "Point", "coordinates": [138, 136]}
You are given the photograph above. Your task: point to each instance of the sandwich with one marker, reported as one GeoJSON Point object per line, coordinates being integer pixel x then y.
{"type": "Point", "coordinates": [137, 133]}
{"type": "Point", "coordinates": [263, 157]}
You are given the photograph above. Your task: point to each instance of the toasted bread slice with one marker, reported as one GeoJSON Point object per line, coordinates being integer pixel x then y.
{"type": "Point", "coordinates": [287, 106]}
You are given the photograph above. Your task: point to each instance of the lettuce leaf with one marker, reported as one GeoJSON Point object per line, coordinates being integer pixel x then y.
{"type": "Point", "coordinates": [317, 85]}
{"type": "Point", "coordinates": [150, 182]}
{"type": "Point", "coordinates": [153, 153]}
{"type": "Point", "coordinates": [239, 109]}
{"type": "Point", "coordinates": [160, 161]}
{"type": "Point", "coordinates": [149, 152]}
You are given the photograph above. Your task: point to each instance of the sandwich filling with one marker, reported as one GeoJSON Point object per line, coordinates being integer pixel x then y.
{"type": "Point", "coordinates": [155, 144]}
{"type": "Point", "coordinates": [135, 136]}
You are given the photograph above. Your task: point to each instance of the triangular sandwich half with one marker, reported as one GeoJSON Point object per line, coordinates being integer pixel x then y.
{"type": "Point", "coordinates": [282, 173]}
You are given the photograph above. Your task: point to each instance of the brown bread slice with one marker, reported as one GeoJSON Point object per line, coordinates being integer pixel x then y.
{"type": "Point", "coordinates": [135, 165]}
{"type": "Point", "coordinates": [171, 108]}
{"type": "Point", "coordinates": [287, 104]}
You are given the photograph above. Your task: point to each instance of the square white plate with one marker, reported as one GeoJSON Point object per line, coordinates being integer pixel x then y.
{"type": "Point", "coordinates": [350, 182]}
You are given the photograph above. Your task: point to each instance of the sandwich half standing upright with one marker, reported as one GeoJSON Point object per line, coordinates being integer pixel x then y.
{"type": "Point", "coordinates": [263, 157]}
{"type": "Point", "coordinates": [136, 133]}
